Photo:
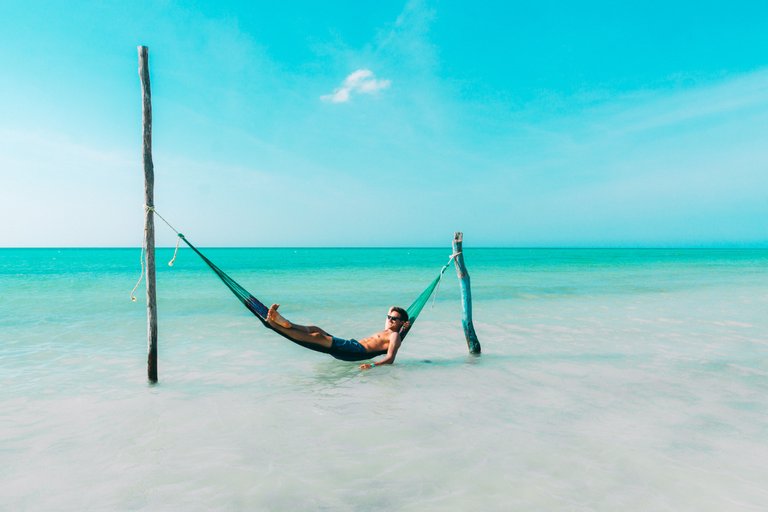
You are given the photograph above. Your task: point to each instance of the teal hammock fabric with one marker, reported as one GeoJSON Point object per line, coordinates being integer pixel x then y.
{"type": "Point", "coordinates": [256, 307]}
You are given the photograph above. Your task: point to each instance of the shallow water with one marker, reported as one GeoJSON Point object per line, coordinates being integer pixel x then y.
{"type": "Point", "coordinates": [609, 380]}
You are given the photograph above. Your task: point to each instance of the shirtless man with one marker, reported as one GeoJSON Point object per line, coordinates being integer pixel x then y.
{"type": "Point", "coordinates": [387, 340]}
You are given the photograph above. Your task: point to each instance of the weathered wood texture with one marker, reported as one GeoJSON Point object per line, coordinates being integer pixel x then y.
{"type": "Point", "coordinates": [466, 295]}
{"type": "Point", "coordinates": [149, 220]}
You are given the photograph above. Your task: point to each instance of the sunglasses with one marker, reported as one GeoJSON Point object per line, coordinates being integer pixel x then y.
{"type": "Point", "coordinates": [394, 318]}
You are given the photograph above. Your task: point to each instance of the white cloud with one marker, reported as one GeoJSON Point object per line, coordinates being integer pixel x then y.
{"type": "Point", "coordinates": [361, 81]}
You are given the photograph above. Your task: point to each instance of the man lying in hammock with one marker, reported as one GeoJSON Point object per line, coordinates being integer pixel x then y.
{"type": "Point", "coordinates": [387, 341]}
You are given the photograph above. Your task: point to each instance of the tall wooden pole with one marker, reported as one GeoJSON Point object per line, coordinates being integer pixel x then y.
{"type": "Point", "coordinates": [466, 296]}
{"type": "Point", "coordinates": [149, 220]}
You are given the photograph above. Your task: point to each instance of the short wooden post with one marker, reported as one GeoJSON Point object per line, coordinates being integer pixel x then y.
{"type": "Point", "coordinates": [149, 220]}
{"type": "Point", "coordinates": [466, 296]}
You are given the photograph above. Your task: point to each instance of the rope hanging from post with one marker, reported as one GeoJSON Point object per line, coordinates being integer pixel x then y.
{"type": "Point", "coordinates": [152, 209]}
{"type": "Point", "coordinates": [141, 261]}
{"type": "Point", "coordinates": [440, 277]}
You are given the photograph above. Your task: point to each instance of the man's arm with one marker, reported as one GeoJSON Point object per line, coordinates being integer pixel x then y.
{"type": "Point", "coordinates": [394, 345]}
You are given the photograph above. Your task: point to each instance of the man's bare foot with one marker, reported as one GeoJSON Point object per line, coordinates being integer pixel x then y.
{"type": "Point", "coordinates": [273, 317]}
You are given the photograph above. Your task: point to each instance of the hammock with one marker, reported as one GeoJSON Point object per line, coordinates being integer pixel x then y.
{"type": "Point", "coordinates": [256, 307]}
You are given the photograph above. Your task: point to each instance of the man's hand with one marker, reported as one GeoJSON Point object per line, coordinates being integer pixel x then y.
{"type": "Point", "coordinates": [366, 366]}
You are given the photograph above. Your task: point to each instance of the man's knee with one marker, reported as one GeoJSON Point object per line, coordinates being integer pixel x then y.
{"type": "Point", "coordinates": [321, 337]}
{"type": "Point", "coordinates": [319, 334]}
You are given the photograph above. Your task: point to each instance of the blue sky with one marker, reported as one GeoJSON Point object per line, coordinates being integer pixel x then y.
{"type": "Point", "coordinates": [389, 124]}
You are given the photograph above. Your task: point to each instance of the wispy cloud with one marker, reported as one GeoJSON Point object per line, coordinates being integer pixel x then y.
{"type": "Point", "coordinates": [664, 167]}
{"type": "Point", "coordinates": [361, 81]}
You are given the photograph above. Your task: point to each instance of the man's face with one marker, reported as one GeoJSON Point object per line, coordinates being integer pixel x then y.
{"type": "Point", "coordinates": [394, 321]}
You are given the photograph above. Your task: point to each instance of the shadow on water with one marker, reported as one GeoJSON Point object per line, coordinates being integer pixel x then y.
{"type": "Point", "coordinates": [332, 373]}
{"type": "Point", "coordinates": [492, 360]}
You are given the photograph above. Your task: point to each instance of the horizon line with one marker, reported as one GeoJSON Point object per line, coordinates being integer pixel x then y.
{"type": "Point", "coordinates": [761, 245]}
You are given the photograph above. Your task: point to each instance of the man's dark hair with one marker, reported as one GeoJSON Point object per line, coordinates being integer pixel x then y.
{"type": "Point", "coordinates": [403, 313]}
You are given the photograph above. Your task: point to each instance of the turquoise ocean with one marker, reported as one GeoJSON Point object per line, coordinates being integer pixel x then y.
{"type": "Point", "coordinates": [623, 379]}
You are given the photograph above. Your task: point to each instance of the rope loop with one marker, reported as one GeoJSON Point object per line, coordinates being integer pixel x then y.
{"type": "Point", "coordinates": [178, 241]}
{"type": "Point", "coordinates": [148, 208]}
{"type": "Point", "coordinates": [141, 260]}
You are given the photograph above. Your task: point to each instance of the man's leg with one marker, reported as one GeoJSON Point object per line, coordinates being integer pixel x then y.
{"type": "Point", "coordinates": [307, 333]}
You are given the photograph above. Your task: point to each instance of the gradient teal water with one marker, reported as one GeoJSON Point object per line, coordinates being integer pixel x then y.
{"type": "Point", "coordinates": [610, 380]}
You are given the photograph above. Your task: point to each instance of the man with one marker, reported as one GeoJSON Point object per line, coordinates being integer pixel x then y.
{"type": "Point", "coordinates": [387, 341]}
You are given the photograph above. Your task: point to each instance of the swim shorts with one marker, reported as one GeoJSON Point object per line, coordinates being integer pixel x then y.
{"type": "Point", "coordinates": [351, 347]}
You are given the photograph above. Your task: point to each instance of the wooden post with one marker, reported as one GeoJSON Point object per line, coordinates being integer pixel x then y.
{"type": "Point", "coordinates": [466, 296]}
{"type": "Point", "coordinates": [149, 220]}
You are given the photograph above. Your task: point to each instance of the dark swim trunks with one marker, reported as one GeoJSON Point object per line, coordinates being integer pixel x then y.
{"type": "Point", "coordinates": [351, 347]}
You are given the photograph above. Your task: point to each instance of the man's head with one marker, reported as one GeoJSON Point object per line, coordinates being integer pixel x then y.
{"type": "Point", "coordinates": [397, 316]}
